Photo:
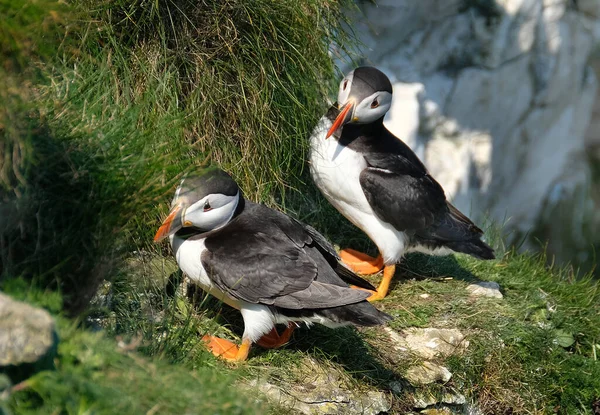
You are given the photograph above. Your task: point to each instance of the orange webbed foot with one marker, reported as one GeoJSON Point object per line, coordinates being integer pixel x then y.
{"type": "Point", "coordinates": [227, 350]}
{"type": "Point", "coordinates": [384, 285]}
{"type": "Point", "coordinates": [360, 262]}
{"type": "Point", "coordinates": [273, 339]}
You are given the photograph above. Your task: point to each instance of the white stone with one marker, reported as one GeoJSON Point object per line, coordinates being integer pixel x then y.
{"type": "Point", "coordinates": [429, 343]}
{"type": "Point", "coordinates": [426, 373]}
{"type": "Point", "coordinates": [426, 399]}
{"type": "Point", "coordinates": [27, 333]}
{"type": "Point", "coordinates": [322, 391]}
{"type": "Point", "coordinates": [485, 289]}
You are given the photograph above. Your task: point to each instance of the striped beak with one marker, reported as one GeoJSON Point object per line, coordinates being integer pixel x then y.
{"type": "Point", "coordinates": [171, 224]}
{"type": "Point", "coordinates": [342, 119]}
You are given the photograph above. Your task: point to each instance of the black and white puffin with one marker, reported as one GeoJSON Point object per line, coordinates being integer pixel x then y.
{"type": "Point", "coordinates": [378, 183]}
{"type": "Point", "coordinates": [272, 268]}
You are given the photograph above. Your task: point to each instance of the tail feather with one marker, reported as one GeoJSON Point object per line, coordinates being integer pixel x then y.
{"type": "Point", "coordinates": [460, 217]}
{"type": "Point", "coordinates": [360, 314]}
{"type": "Point", "coordinates": [350, 277]}
{"type": "Point", "coordinates": [474, 247]}
{"type": "Point", "coordinates": [456, 231]}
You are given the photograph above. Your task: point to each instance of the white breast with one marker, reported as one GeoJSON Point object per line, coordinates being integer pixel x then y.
{"type": "Point", "coordinates": [335, 170]}
{"type": "Point", "coordinates": [188, 253]}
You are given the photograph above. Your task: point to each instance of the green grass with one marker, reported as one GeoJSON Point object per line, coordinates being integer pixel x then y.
{"type": "Point", "coordinates": [534, 351]}
{"type": "Point", "coordinates": [94, 374]}
{"type": "Point", "coordinates": [105, 104]}
{"type": "Point", "coordinates": [108, 103]}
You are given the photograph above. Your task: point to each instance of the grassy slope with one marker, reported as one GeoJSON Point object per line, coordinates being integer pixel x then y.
{"type": "Point", "coordinates": [95, 375]}
{"type": "Point", "coordinates": [103, 105]}
{"type": "Point", "coordinates": [140, 91]}
{"type": "Point", "coordinates": [530, 352]}
{"type": "Point", "coordinates": [124, 97]}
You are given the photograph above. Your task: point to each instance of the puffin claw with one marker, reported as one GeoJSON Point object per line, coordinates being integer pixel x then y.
{"type": "Point", "coordinates": [273, 339]}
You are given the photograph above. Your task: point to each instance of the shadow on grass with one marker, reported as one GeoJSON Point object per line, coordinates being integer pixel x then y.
{"type": "Point", "coordinates": [421, 266]}
{"type": "Point", "coordinates": [344, 345]}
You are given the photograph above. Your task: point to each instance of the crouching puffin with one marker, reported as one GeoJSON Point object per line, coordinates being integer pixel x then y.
{"type": "Point", "coordinates": [378, 183]}
{"type": "Point", "coordinates": [272, 268]}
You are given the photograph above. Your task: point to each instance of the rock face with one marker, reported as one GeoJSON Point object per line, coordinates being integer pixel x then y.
{"type": "Point", "coordinates": [495, 97]}
{"type": "Point", "coordinates": [26, 333]}
{"type": "Point", "coordinates": [323, 391]}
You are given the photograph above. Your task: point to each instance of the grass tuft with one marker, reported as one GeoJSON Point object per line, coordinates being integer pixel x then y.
{"type": "Point", "coordinates": [127, 96]}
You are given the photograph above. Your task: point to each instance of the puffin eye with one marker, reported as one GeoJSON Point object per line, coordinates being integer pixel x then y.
{"type": "Point", "coordinates": [345, 84]}
{"type": "Point", "coordinates": [375, 103]}
{"type": "Point", "coordinates": [207, 206]}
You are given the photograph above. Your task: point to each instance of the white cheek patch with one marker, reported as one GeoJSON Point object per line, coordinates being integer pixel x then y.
{"type": "Point", "coordinates": [365, 114]}
{"type": "Point", "coordinates": [343, 93]}
{"type": "Point", "coordinates": [222, 208]}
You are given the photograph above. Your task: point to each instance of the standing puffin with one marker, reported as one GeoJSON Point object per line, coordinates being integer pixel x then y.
{"type": "Point", "coordinates": [272, 268]}
{"type": "Point", "coordinates": [381, 186]}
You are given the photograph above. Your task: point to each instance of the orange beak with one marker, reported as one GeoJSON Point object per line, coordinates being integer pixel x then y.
{"type": "Point", "coordinates": [171, 224]}
{"type": "Point", "coordinates": [341, 119]}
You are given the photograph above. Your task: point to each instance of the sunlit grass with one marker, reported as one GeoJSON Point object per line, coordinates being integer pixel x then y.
{"type": "Point", "coordinates": [106, 104]}
{"type": "Point", "coordinates": [127, 96]}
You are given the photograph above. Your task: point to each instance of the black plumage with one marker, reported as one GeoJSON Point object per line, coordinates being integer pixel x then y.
{"type": "Point", "coordinates": [401, 191]}
{"type": "Point", "coordinates": [263, 256]}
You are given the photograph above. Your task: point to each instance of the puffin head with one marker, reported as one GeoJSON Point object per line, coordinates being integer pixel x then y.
{"type": "Point", "coordinates": [365, 96]}
{"type": "Point", "coordinates": [205, 201]}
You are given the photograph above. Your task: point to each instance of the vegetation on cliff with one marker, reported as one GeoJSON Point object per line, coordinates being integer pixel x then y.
{"type": "Point", "coordinates": [104, 104]}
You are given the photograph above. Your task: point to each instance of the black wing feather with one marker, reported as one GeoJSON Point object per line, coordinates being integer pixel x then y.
{"type": "Point", "coordinates": [398, 186]}
{"type": "Point", "coordinates": [323, 249]}
{"type": "Point", "coordinates": [409, 203]}
{"type": "Point", "coordinates": [263, 256]}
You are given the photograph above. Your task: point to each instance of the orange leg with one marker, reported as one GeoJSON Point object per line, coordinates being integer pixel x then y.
{"type": "Point", "coordinates": [227, 350]}
{"type": "Point", "coordinates": [361, 263]}
{"type": "Point", "coordinates": [384, 285]}
{"type": "Point", "coordinates": [273, 339]}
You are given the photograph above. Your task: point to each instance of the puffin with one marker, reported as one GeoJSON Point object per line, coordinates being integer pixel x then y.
{"type": "Point", "coordinates": [272, 268]}
{"type": "Point", "coordinates": [379, 184]}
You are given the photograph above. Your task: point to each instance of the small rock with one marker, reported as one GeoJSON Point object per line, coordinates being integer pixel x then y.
{"type": "Point", "coordinates": [454, 399]}
{"type": "Point", "coordinates": [485, 289]}
{"type": "Point", "coordinates": [27, 340]}
{"type": "Point", "coordinates": [424, 296]}
{"type": "Point", "coordinates": [26, 333]}
{"type": "Point", "coordinates": [396, 387]}
{"type": "Point", "coordinates": [472, 409]}
{"type": "Point", "coordinates": [424, 400]}
{"type": "Point", "coordinates": [426, 373]}
{"type": "Point", "coordinates": [431, 342]}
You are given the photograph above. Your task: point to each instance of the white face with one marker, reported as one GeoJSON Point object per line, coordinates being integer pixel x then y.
{"type": "Point", "coordinates": [211, 212]}
{"type": "Point", "coordinates": [370, 108]}
{"type": "Point", "coordinates": [345, 89]}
